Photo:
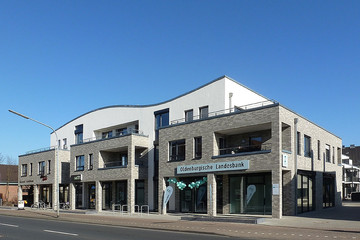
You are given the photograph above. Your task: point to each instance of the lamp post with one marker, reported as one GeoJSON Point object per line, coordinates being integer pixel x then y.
{"type": "Point", "coordinates": [57, 163]}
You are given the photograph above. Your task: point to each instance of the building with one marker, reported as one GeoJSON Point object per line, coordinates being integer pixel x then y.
{"type": "Point", "coordinates": [8, 184]}
{"type": "Point", "coordinates": [351, 177]}
{"type": "Point", "coordinates": [222, 147]}
{"type": "Point", "coordinates": [353, 152]}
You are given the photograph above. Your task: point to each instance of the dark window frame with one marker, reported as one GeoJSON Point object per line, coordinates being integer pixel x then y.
{"type": "Point", "coordinates": [177, 150]}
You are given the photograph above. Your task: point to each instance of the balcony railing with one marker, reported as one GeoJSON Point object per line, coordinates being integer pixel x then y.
{"type": "Point", "coordinates": [226, 111]}
{"type": "Point", "coordinates": [40, 150]}
{"type": "Point", "coordinates": [351, 179]}
{"type": "Point", "coordinates": [128, 132]}
{"type": "Point", "coordinates": [115, 164]}
{"type": "Point", "coordinates": [245, 149]}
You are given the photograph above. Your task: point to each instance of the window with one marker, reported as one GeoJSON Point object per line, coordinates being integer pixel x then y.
{"type": "Point", "coordinates": [123, 160]}
{"type": "Point", "coordinates": [91, 162]}
{"type": "Point", "coordinates": [79, 134]}
{"type": "Point", "coordinates": [107, 134]}
{"type": "Point", "coordinates": [177, 150]}
{"type": "Point", "coordinates": [189, 115]}
{"type": "Point", "coordinates": [319, 150]}
{"type": "Point", "coordinates": [307, 146]}
{"type": "Point", "coordinates": [24, 170]}
{"type": "Point", "coordinates": [121, 131]}
{"type": "Point", "coordinates": [42, 168]}
{"type": "Point", "coordinates": [49, 166]}
{"type": "Point", "coordinates": [333, 155]}
{"type": "Point", "coordinates": [198, 147]}
{"type": "Point", "coordinates": [327, 153]}
{"type": "Point", "coordinates": [59, 144]}
{"type": "Point", "coordinates": [204, 112]}
{"type": "Point", "coordinates": [80, 163]}
{"type": "Point", "coordinates": [298, 146]}
{"type": "Point", "coordinates": [30, 170]}
{"type": "Point", "coordinates": [255, 143]}
{"type": "Point", "coordinates": [65, 143]}
{"type": "Point", "coordinates": [161, 120]}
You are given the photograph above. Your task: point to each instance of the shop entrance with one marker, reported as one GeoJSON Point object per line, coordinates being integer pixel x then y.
{"type": "Point", "coordinates": [193, 200]}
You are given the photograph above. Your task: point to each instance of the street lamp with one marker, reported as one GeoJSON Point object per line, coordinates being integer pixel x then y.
{"type": "Point", "coordinates": [57, 163]}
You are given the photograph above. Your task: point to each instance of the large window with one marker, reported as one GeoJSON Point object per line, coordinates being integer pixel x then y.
{"type": "Point", "coordinates": [79, 134]}
{"type": "Point", "coordinates": [305, 192]}
{"type": "Point", "coordinates": [319, 150]}
{"type": "Point", "coordinates": [198, 147]}
{"type": "Point", "coordinates": [189, 115]}
{"type": "Point", "coordinates": [177, 150]}
{"type": "Point", "coordinates": [42, 168]}
{"type": "Point", "coordinates": [204, 112]}
{"type": "Point", "coordinates": [307, 146]}
{"type": "Point", "coordinates": [80, 163]}
{"type": "Point", "coordinates": [31, 169]}
{"type": "Point", "coordinates": [24, 170]}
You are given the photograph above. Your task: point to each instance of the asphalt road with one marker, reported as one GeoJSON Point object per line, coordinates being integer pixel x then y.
{"type": "Point", "coordinates": [29, 228]}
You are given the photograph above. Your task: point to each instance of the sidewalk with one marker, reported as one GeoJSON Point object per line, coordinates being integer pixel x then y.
{"type": "Point", "coordinates": [344, 219]}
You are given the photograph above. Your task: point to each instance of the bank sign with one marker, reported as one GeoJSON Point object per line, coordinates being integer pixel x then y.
{"type": "Point", "coordinates": [213, 167]}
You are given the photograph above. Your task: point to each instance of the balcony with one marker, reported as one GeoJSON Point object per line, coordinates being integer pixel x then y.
{"type": "Point", "coordinates": [235, 110]}
{"type": "Point", "coordinates": [248, 140]}
{"type": "Point", "coordinates": [118, 135]}
{"type": "Point", "coordinates": [351, 179]}
{"type": "Point", "coordinates": [244, 150]}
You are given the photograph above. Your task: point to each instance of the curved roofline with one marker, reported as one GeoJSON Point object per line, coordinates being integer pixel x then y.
{"type": "Point", "coordinates": [156, 104]}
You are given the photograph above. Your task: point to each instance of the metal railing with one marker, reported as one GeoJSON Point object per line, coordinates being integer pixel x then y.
{"type": "Point", "coordinates": [126, 133]}
{"type": "Point", "coordinates": [40, 150]}
{"type": "Point", "coordinates": [351, 179]}
{"type": "Point", "coordinates": [225, 111]}
{"type": "Point", "coordinates": [245, 149]}
{"type": "Point", "coordinates": [115, 164]}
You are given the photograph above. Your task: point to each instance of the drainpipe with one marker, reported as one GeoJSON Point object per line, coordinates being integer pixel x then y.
{"type": "Point", "coordinates": [296, 163]}
{"type": "Point", "coordinates": [230, 101]}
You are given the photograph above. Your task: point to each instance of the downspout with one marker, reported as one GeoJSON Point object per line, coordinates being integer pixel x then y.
{"type": "Point", "coordinates": [296, 163]}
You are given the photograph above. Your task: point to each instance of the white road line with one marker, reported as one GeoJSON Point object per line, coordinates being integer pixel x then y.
{"type": "Point", "coordinates": [64, 233]}
{"type": "Point", "coordinates": [9, 225]}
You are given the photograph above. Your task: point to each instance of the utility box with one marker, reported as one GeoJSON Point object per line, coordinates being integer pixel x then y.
{"type": "Point", "coordinates": [21, 205]}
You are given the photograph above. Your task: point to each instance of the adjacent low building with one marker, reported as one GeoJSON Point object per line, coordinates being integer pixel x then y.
{"type": "Point", "coordinates": [222, 148]}
{"type": "Point", "coordinates": [351, 177]}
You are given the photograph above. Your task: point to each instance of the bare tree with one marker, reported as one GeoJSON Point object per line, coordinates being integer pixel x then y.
{"type": "Point", "coordinates": [6, 161]}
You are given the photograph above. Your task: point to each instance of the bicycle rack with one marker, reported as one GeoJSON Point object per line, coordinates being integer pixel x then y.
{"type": "Point", "coordinates": [122, 209]}
{"type": "Point", "coordinates": [144, 206]}
{"type": "Point", "coordinates": [116, 205]}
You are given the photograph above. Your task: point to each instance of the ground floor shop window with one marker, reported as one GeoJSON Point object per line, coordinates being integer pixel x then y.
{"type": "Point", "coordinates": [328, 191]}
{"type": "Point", "coordinates": [121, 192]}
{"type": "Point", "coordinates": [78, 196]}
{"type": "Point", "coordinates": [305, 192]}
{"type": "Point", "coordinates": [106, 195]}
{"type": "Point", "coordinates": [46, 194]}
{"type": "Point", "coordinates": [193, 199]}
{"type": "Point", "coordinates": [250, 194]}
{"type": "Point", "coordinates": [140, 192]}
{"type": "Point", "coordinates": [64, 193]}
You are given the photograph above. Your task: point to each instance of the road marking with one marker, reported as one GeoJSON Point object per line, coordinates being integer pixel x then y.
{"type": "Point", "coordinates": [64, 233]}
{"type": "Point", "coordinates": [9, 225]}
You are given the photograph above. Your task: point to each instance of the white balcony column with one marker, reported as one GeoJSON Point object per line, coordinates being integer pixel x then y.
{"type": "Point", "coordinates": [98, 192]}
{"type": "Point", "coordinates": [211, 194]}
{"type": "Point", "coordinates": [54, 196]}
{"type": "Point", "coordinates": [20, 193]}
{"type": "Point", "coordinates": [72, 194]}
{"type": "Point", "coordinates": [162, 188]}
{"type": "Point", "coordinates": [36, 193]}
{"type": "Point", "coordinates": [131, 179]}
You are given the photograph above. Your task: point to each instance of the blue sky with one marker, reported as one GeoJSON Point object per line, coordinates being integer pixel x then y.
{"type": "Point", "coordinates": [60, 59]}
